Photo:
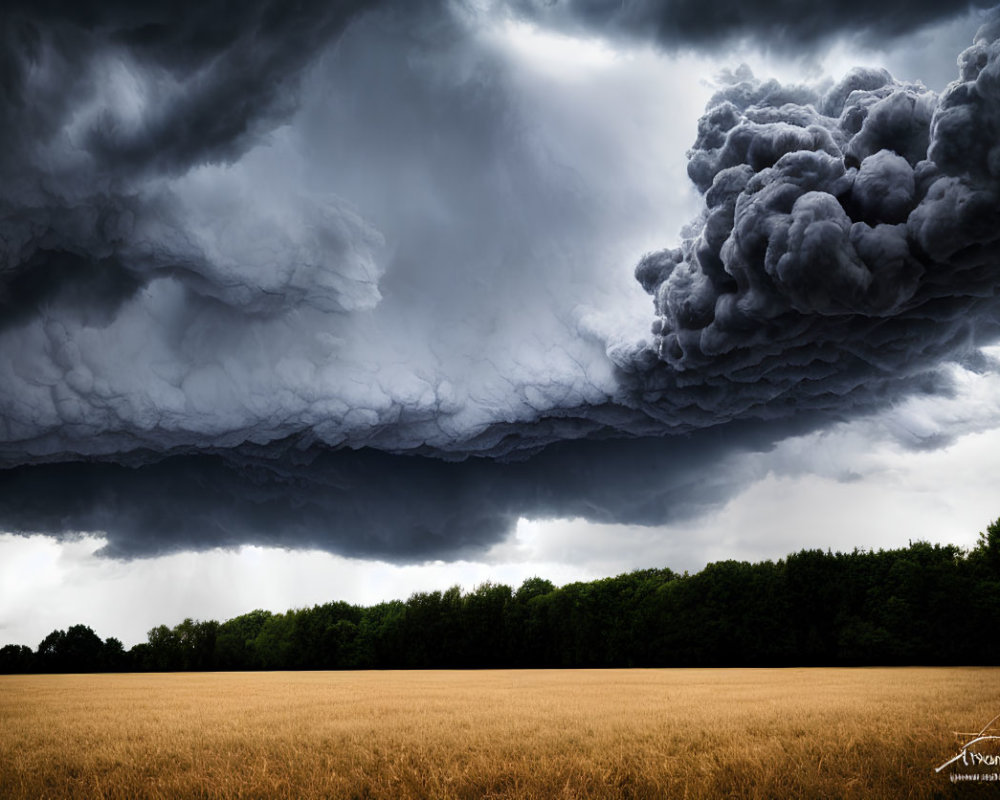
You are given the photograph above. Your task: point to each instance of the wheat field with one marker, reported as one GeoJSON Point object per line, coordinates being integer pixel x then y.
{"type": "Point", "coordinates": [865, 733]}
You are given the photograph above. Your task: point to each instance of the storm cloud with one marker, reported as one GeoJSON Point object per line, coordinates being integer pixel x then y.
{"type": "Point", "coordinates": [110, 115]}
{"type": "Point", "coordinates": [787, 25]}
{"type": "Point", "coordinates": [367, 503]}
{"type": "Point", "coordinates": [848, 241]}
{"type": "Point", "coordinates": [311, 277]}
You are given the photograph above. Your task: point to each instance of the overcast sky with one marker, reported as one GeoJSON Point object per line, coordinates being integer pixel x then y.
{"type": "Point", "coordinates": [311, 305]}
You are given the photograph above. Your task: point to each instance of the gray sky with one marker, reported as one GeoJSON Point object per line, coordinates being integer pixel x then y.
{"type": "Point", "coordinates": [351, 312]}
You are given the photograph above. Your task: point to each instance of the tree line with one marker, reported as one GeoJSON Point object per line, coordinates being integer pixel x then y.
{"type": "Point", "coordinates": [923, 604]}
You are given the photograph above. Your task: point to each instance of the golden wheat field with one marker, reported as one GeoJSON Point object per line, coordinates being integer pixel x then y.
{"type": "Point", "coordinates": [864, 733]}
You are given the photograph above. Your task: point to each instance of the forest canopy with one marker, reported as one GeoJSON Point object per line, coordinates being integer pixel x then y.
{"type": "Point", "coordinates": [923, 604]}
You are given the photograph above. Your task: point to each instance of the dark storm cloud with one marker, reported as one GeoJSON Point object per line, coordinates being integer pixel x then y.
{"type": "Point", "coordinates": [191, 330]}
{"type": "Point", "coordinates": [371, 504]}
{"type": "Point", "coordinates": [849, 239]}
{"type": "Point", "coordinates": [793, 24]}
{"type": "Point", "coordinates": [102, 101]}
{"type": "Point", "coordinates": [214, 74]}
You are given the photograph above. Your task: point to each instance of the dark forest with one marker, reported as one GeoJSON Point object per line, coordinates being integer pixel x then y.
{"type": "Point", "coordinates": [924, 604]}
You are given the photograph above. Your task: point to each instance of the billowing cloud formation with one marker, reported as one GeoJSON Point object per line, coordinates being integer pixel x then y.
{"type": "Point", "coordinates": [224, 299]}
{"type": "Point", "coordinates": [219, 328]}
{"type": "Point", "coordinates": [849, 240]}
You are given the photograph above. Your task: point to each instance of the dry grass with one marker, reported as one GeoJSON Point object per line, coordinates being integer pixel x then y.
{"type": "Point", "coordinates": [865, 733]}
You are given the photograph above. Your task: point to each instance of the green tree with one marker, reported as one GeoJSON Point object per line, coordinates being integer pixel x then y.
{"type": "Point", "coordinates": [986, 554]}
{"type": "Point", "coordinates": [274, 643]}
{"type": "Point", "coordinates": [77, 649]}
{"type": "Point", "coordinates": [165, 652]}
{"type": "Point", "coordinates": [50, 652]}
{"type": "Point", "coordinates": [236, 641]}
{"type": "Point", "coordinates": [533, 587]}
{"type": "Point", "coordinates": [16, 659]}
{"type": "Point", "coordinates": [113, 656]}
{"type": "Point", "coordinates": [484, 619]}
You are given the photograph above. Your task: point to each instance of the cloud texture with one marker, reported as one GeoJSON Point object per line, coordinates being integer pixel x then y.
{"type": "Point", "coordinates": [271, 276]}
{"type": "Point", "coordinates": [848, 241]}
{"type": "Point", "coordinates": [787, 25]}
{"type": "Point", "coordinates": [112, 113]}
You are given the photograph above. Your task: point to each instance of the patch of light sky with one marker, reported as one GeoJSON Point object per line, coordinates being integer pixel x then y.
{"type": "Point", "coordinates": [929, 55]}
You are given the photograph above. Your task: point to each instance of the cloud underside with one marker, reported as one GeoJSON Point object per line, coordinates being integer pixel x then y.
{"type": "Point", "coordinates": [788, 25]}
{"type": "Point", "coordinates": [311, 278]}
{"type": "Point", "coordinates": [368, 503]}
